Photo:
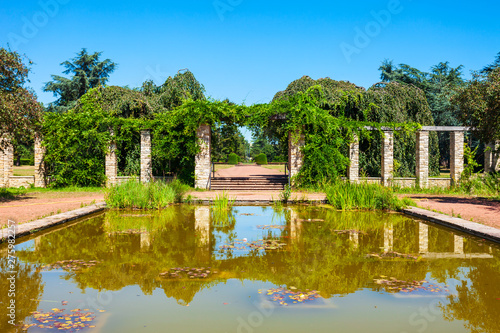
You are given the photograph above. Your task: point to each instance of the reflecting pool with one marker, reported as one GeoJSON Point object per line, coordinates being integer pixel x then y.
{"type": "Point", "coordinates": [254, 269]}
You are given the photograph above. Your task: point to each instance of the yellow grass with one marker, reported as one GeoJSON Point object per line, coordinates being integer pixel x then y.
{"type": "Point", "coordinates": [25, 170]}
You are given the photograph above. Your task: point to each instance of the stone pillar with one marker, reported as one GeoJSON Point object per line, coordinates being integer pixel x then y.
{"type": "Point", "coordinates": [354, 238]}
{"type": "Point", "coordinates": [202, 224]}
{"type": "Point", "coordinates": [111, 165]}
{"type": "Point", "coordinates": [202, 159]}
{"type": "Point", "coordinates": [492, 157]}
{"type": "Point", "coordinates": [7, 157]}
{"type": "Point", "coordinates": [387, 157]}
{"type": "Point", "coordinates": [423, 238]}
{"type": "Point", "coordinates": [295, 154]}
{"type": "Point", "coordinates": [146, 161]}
{"type": "Point", "coordinates": [422, 156]}
{"type": "Point", "coordinates": [295, 226]}
{"type": "Point", "coordinates": [353, 170]}
{"type": "Point", "coordinates": [456, 156]}
{"type": "Point", "coordinates": [39, 162]}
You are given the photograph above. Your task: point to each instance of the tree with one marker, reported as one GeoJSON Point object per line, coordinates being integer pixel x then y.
{"type": "Point", "coordinates": [88, 72]}
{"type": "Point", "coordinates": [496, 64]}
{"type": "Point", "coordinates": [479, 105]}
{"type": "Point", "coordinates": [20, 113]}
{"type": "Point", "coordinates": [175, 90]}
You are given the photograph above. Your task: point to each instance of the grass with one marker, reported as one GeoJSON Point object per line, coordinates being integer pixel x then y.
{"type": "Point", "coordinates": [11, 193]}
{"type": "Point", "coordinates": [347, 196]}
{"type": "Point", "coordinates": [222, 211]}
{"type": "Point", "coordinates": [153, 195]}
{"type": "Point", "coordinates": [280, 168]}
{"type": "Point", "coordinates": [24, 170]}
{"type": "Point", "coordinates": [484, 185]}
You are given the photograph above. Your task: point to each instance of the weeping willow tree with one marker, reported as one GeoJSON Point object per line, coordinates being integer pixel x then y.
{"type": "Point", "coordinates": [382, 103]}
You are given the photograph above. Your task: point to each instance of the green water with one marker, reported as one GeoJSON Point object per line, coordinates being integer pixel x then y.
{"type": "Point", "coordinates": [257, 269]}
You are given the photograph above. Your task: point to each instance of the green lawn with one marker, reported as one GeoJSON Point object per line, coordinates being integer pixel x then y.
{"type": "Point", "coordinates": [25, 170]}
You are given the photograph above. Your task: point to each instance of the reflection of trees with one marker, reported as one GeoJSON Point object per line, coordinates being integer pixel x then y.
{"type": "Point", "coordinates": [29, 289]}
{"type": "Point", "coordinates": [318, 257]}
{"type": "Point", "coordinates": [477, 302]}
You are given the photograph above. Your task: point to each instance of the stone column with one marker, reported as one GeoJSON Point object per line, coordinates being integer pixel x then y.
{"type": "Point", "coordinates": [422, 156]}
{"type": "Point", "coordinates": [146, 161]}
{"type": "Point", "coordinates": [111, 165]}
{"type": "Point", "coordinates": [39, 162]}
{"type": "Point", "coordinates": [296, 141]}
{"type": "Point", "coordinates": [492, 157]}
{"type": "Point", "coordinates": [456, 156]}
{"type": "Point", "coordinates": [295, 226]}
{"type": "Point", "coordinates": [202, 228]}
{"type": "Point", "coordinates": [202, 159]}
{"type": "Point", "coordinates": [353, 170]}
{"type": "Point", "coordinates": [387, 157]}
{"type": "Point", "coordinates": [7, 156]}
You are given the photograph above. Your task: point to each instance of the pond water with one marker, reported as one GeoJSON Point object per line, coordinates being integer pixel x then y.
{"type": "Point", "coordinates": [256, 269]}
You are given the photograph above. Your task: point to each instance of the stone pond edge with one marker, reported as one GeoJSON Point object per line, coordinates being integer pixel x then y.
{"type": "Point", "coordinates": [468, 227]}
{"type": "Point", "coordinates": [29, 228]}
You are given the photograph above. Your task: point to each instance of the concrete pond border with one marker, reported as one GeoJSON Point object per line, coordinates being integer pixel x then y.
{"type": "Point", "coordinates": [468, 227]}
{"type": "Point", "coordinates": [30, 228]}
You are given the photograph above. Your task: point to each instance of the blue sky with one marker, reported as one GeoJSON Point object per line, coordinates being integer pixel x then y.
{"type": "Point", "coordinates": [247, 50]}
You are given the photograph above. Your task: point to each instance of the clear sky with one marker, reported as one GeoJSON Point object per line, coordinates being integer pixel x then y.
{"type": "Point", "coordinates": [247, 50]}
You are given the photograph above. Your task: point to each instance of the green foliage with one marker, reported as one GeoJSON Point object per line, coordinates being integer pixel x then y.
{"type": "Point", "coordinates": [479, 105]}
{"type": "Point", "coordinates": [261, 159]}
{"type": "Point", "coordinates": [76, 145]}
{"type": "Point", "coordinates": [347, 196]}
{"type": "Point", "coordinates": [286, 194]}
{"type": "Point", "coordinates": [87, 73]}
{"type": "Point", "coordinates": [20, 113]}
{"type": "Point", "coordinates": [153, 195]}
{"type": "Point", "coordinates": [232, 159]}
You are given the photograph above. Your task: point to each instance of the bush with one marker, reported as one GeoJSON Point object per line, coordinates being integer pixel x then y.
{"type": "Point", "coordinates": [261, 159]}
{"type": "Point", "coordinates": [347, 196]}
{"type": "Point", "coordinates": [233, 159]}
{"type": "Point", "coordinates": [154, 195]}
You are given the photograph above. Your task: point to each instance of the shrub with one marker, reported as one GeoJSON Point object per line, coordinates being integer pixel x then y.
{"type": "Point", "coordinates": [261, 159]}
{"type": "Point", "coordinates": [233, 159]}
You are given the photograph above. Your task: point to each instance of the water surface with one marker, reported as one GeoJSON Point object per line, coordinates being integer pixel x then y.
{"type": "Point", "coordinates": [256, 269]}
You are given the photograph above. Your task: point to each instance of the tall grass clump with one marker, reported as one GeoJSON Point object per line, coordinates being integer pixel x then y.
{"type": "Point", "coordinates": [222, 211]}
{"type": "Point", "coordinates": [347, 196]}
{"type": "Point", "coordinates": [153, 195]}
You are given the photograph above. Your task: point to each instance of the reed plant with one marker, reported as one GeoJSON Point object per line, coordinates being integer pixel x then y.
{"type": "Point", "coordinates": [222, 215]}
{"type": "Point", "coordinates": [152, 195]}
{"type": "Point", "coordinates": [348, 196]}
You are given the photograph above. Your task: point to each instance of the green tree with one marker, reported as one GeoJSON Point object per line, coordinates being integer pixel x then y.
{"type": "Point", "coordinates": [20, 113]}
{"type": "Point", "coordinates": [87, 73]}
{"type": "Point", "coordinates": [175, 90]}
{"type": "Point", "coordinates": [496, 64]}
{"type": "Point", "coordinates": [479, 105]}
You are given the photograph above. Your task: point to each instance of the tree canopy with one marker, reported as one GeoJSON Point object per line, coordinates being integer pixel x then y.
{"type": "Point", "coordinates": [20, 113]}
{"type": "Point", "coordinates": [87, 72]}
{"type": "Point", "coordinates": [479, 104]}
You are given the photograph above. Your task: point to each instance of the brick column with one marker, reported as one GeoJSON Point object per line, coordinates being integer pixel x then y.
{"type": "Point", "coordinates": [492, 157]}
{"type": "Point", "coordinates": [422, 156]}
{"type": "Point", "coordinates": [353, 170]}
{"type": "Point", "coordinates": [39, 162]}
{"type": "Point", "coordinates": [111, 165]}
{"type": "Point", "coordinates": [456, 156]}
{"type": "Point", "coordinates": [202, 159]}
{"type": "Point", "coordinates": [387, 157]}
{"type": "Point", "coordinates": [146, 161]}
{"type": "Point", "coordinates": [295, 155]}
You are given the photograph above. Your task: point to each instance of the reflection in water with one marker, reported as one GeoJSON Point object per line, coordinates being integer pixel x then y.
{"type": "Point", "coordinates": [311, 248]}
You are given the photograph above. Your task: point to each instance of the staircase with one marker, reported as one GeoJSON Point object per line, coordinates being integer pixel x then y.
{"type": "Point", "coordinates": [257, 183]}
